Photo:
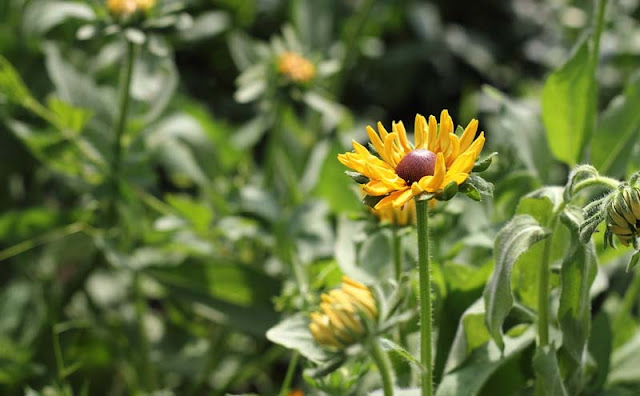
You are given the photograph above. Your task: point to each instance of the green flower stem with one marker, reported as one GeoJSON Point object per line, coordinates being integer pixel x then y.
{"type": "Point", "coordinates": [121, 123]}
{"type": "Point", "coordinates": [382, 361]}
{"type": "Point", "coordinates": [543, 288]}
{"type": "Point", "coordinates": [424, 271]}
{"type": "Point", "coordinates": [286, 384]}
{"type": "Point", "coordinates": [601, 181]}
{"type": "Point", "coordinates": [397, 252]}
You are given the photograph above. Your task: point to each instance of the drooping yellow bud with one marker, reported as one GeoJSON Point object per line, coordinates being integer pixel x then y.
{"type": "Point", "coordinates": [296, 67]}
{"type": "Point", "coordinates": [340, 320]}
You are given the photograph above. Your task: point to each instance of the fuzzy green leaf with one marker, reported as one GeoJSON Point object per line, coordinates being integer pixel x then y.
{"type": "Point", "coordinates": [578, 271]}
{"type": "Point", "coordinates": [515, 238]}
{"type": "Point", "coordinates": [483, 164]}
{"type": "Point", "coordinates": [546, 367]}
{"type": "Point", "coordinates": [568, 105]}
{"type": "Point", "coordinates": [293, 333]}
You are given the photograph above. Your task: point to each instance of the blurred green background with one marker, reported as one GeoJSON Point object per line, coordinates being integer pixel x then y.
{"type": "Point", "coordinates": [166, 280]}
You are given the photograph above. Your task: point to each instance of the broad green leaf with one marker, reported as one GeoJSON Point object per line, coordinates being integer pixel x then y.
{"type": "Point", "coordinates": [69, 117]}
{"type": "Point", "coordinates": [42, 16]}
{"type": "Point", "coordinates": [227, 294]}
{"type": "Point", "coordinates": [77, 88]}
{"type": "Point", "coordinates": [472, 333]}
{"type": "Point", "coordinates": [568, 105]}
{"type": "Point", "coordinates": [617, 132]}
{"type": "Point", "coordinates": [578, 271]}
{"type": "Point", "coordinates": [546, 367]}
{"type": "Point", "coordinates": [11, 84]}
{"type": "Point", "coordinates": [293, 333]}
{"type": "Point", "coordinates": [469, 378]}
{"type": "Point", "coordinates": [515, 238]}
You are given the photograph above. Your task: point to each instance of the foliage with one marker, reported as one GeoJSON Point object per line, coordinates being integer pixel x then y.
{"type": "Point", "coordinates": [173, 209]}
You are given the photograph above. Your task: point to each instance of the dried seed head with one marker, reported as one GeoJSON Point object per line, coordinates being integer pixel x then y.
{"type": "Point", "coordinates": [416, 165]}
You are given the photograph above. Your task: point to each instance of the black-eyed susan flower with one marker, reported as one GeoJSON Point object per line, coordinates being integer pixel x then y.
{"type": "Point", "coordinates": [623, 214]}
{"type": "Point", "coordinates": [401, 170]}
{"type": "Point", "coordinates": [340, 321]}
{"type": "Point", "coordinates": [295, 67]}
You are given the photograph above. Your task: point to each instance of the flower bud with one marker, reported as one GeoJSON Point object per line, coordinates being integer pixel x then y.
{"type": "Point", "coordinates": [296, 67]}
{"type": "Point", "coordinates": [623, 214]}
{"type": "Point", "coordinates": [340, 322]}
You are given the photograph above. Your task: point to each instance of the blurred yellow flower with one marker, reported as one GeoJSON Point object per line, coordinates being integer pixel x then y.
{"type": "Point", "coordinates": [403, 170]}
{"type": "Point", "coordinates": [340, 320]}
{"type": "Point", "coordinates": [623, 215]}
{"type": "Point", "coordinates": [122, 7]}
{"type": "Point", "coordinates": [401, 216]}
{"type": "Point", "coordinates": [145, 5]}
{"type": "Point", "coordinates": [296, 67]}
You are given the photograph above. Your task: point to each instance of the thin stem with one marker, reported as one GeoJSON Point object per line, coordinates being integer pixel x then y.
{"type": "Point", "coordinates": [121, 123]}
{"type": "Point", "coordinates": [397, 252]}
{"type": "Point", "coordinates": [49, 237]}
{"type": "Point", "coordinates": [601, 181]}
{"type": "Point", "coordinates": [382, 362]}
{"type": "Point", "coordinates": [543, 288]}
{"type": "Point", "coordinates": [424, 271]}
{"type": "Point", "coordinates": [286, 384]}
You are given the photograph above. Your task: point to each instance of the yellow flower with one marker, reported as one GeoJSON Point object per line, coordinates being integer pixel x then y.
{"type": "Point", "coordinates": [145, 5]}
{"type": "Point", "coordinates": [296, 67]}
{"type": "Point", "coordinates": [402, 216]}
{"type": "Point", "coordinates": [623, 214]}
{"type": "Point", "coordinates": [122, 7]}
{"type": "Point", "coordinates": [404, 170]}
{"type": "Point", "coordinates": [339, 322]}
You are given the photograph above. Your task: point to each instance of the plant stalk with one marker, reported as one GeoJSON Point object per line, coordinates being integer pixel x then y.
{"type": "Point", "coordinates": [384, 366]}
{"type": "Point", "coordinates": [397, 252]}
{"type": "Point", "coordinates": [426, 320]}
{"type": "Point", "coordinates": [543, 288]}
{"type": "Point", "coordinates": [286, 384]}
{"type": "Point", "coordinates": [120, 125]}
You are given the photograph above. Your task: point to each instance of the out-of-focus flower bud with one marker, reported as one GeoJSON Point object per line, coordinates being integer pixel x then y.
{"type": "Point", "coordinates": [296, 67]}
{"type": "Point", "coordinates": [623, 214]}
{"type": "Point", "coordinates": [340, 322]}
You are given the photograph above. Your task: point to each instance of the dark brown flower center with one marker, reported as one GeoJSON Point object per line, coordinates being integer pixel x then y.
{"type": "Point", "coordinates": [415, 165]}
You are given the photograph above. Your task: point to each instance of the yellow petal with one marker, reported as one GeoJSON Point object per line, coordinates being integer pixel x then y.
{"type": "Point", "coordinates": [468, 135]}
{"type": "Point", "coordinates": [432, 140]}
{"type": "Point", "coordinates": [403, 198]}
{"type": "Point", "coordinates": [402, 137]}
{"type": "Point", "coordinates": [389, 149]}
{"type": "Point", "coordinates": [387, 201]}
{"type": "Point", "coordinates": [377, 188]}
{"type": "Point", "coordinates": [383, 132]}
{"type": "Point", "coordinates": [420, 132]}
{"type": "Point", "coordinates": [375, 139]}
{"type": "Point", "coordinates": [454, 148]}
